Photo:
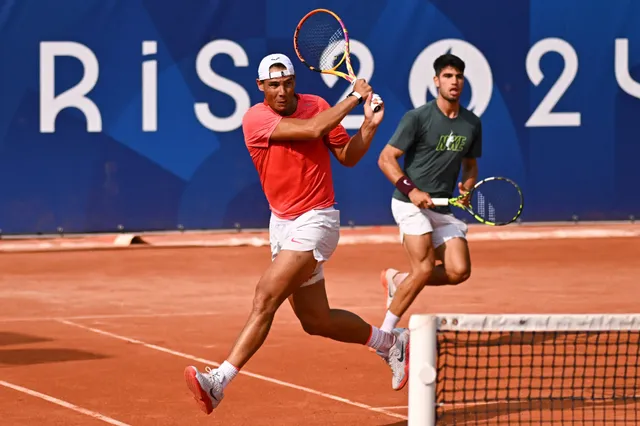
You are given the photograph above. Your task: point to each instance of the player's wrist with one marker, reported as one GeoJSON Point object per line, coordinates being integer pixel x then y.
{"type": "Point", "coordinates": [356, 96]}
{"type": "Point", "coordinates": [405, 185]}
{"type": "Point", "coordinates": [465, 188]}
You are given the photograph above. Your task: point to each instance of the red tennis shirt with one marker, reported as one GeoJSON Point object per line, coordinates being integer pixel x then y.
{"type": "Point", "coordinates": [295, 174]}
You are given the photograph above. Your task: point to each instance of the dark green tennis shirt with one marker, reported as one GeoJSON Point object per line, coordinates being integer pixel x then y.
{"type": "Point", "coordinates": [434, 146]}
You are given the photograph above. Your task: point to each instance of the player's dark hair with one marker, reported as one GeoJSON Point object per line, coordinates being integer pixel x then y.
{"type": "Point", "coordinates": [448, 60]}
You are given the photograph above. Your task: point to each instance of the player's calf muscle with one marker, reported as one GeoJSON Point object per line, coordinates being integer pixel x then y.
{"type": "Point", "coordinates": [411, 287]}
{"type": "Point", "coordinates": [422, 258]}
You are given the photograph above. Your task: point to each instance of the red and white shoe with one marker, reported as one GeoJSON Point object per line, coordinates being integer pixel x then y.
{"type": "Point", "coordinates": [386, 279]}
{"type": "Point", "coordinates": [398, 359]}
{"type": "Point", "coordinates": [205, 387]}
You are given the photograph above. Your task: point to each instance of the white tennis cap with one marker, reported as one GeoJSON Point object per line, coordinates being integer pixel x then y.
{"type": "Point", "coordinates": [275, 58]}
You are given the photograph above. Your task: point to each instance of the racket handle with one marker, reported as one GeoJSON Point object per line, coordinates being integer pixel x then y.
{"type": "Point", "coordinates": [375, 100]}
{"type": "Point", "coordinates": [440, 201]}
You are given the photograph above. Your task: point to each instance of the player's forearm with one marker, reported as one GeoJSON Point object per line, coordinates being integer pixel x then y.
{"type": "Point", "coordinates": [328, 119]}
{"type": "Point", "coordinates": [469, 175]}
{"type": "Point", "coordinates": [358, 145]}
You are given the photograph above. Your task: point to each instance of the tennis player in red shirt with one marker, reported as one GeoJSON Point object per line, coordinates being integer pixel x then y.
{"type": "Point", "coordinates": [290, 138]}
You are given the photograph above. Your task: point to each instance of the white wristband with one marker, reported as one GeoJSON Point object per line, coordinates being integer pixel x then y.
{"type": "Point", "coordinates": [357, 95]}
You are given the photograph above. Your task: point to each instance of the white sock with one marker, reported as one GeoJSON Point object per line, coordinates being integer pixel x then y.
{"type": "Point", "coordinates": [390, 322]}
{"type": "Point", "coordinates": [228, 373]}
{"type": "Point", "coordinates": [381, 340]}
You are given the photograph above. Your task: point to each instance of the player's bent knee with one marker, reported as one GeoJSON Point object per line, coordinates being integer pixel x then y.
{"type": "Point", "coordinates": [265, 302]}
{"type": "Point", "coordinates": [458, 274]}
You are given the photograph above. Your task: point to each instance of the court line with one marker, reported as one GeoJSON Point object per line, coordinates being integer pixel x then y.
{"type": "Point", "coordinates": [62, 403]}
{"type": "Point", "coordinates": [246, 373]}
{"type": "Point", "coordinates": [394, 407]}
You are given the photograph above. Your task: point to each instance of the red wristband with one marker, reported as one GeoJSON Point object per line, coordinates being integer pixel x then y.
{"type": "Point", "coordinates": [405, 185]}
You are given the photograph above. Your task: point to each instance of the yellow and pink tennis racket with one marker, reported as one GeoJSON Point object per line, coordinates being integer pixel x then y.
{"type": "Point", "coordinates": [321, 42]}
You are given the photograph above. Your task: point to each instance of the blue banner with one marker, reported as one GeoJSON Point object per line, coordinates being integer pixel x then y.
{"type": "Point", "coordinates": [128, 113]}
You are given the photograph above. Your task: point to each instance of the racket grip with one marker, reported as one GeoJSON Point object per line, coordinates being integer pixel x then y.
{"type": "Point", "coordinates": [375, 101]}
{"type": "Point", "coordinates": [440, 201]}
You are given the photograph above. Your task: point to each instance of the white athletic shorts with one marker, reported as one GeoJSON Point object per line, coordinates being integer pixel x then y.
{"type": "Point", "coordinates": [315, 230]}
{"type": "Point", "coordinates": [413, 220]}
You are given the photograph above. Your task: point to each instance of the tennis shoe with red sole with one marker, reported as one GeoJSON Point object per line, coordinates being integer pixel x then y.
{"type": "Point", "coordinates": [386, 279]}
{"type": "Point", "coordinates": [398, 359]}
{"type": "Point", "coordinates": [205, 387]}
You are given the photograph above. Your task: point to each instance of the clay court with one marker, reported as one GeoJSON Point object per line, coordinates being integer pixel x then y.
{"type": "Point", "coordinates": [89, 337]}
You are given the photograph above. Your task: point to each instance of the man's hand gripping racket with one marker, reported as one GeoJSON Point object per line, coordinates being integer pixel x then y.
{"type": "Point", "coordinates": [321, 42]}
{"type": "Point", "coordinates": [493, 201]}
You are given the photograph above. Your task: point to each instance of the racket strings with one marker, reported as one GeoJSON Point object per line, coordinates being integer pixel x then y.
{"type": "Point", "coordinates": [496, 201]}
{"type": "Point", "coordinates": [321, 41]}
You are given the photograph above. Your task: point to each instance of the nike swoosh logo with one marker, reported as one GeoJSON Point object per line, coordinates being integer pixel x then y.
{"type": "Point", "coordinates": [293, 240]}
{"type": "Point", "coordinates": [212, 395]}
{"type": "Point", "coordinates": [401, 357]}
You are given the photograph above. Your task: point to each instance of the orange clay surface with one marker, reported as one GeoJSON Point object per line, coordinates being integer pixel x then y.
{"type": "Point", "coordinates": [111, 331]}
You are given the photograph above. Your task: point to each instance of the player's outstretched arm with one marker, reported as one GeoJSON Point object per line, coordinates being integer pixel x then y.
{"type": "Point", "coordinates": [321, 124]}
{"type": "Point", "coordinates": [351, 153]}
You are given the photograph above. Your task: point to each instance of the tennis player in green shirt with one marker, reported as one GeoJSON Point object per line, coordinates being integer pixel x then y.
{"type": "Point", "coordinates": [437, 140]}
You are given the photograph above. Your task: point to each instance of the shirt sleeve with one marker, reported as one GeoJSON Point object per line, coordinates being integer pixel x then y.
{"type": "Point", "coordinates": [338, 136]}
{"type": "Point", "coordinates": [476, 145]}
{"type": "Point", "coordinates": [257, 125]}
{"type": "Point", "coordinates": [405, 134]}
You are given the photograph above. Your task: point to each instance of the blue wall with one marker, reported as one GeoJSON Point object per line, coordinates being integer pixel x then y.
{"type": "Point", "coordinates": [198, 173]}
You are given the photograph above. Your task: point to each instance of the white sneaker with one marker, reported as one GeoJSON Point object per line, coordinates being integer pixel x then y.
{"type": "Point", "coordinates": [398, 358]}
{"type": "Point", "coordinates": [386, 279]}
{"type": "Point", "coordinates": [206, 387]}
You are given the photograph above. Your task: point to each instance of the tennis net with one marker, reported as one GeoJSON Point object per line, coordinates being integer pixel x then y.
{"type": "Point", "coordinates": [524, 370]}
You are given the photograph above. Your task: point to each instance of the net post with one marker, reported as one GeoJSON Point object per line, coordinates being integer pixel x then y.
{"type": "Point", "coordinates": [422, 370]}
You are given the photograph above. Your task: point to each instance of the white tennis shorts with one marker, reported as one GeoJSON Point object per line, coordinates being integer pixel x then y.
{"type": "Point", "coordinates": [413, 220]}
{"type": "Point", "coordinates": [315, 230]}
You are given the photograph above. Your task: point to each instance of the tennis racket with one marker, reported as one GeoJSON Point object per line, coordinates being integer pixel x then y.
{"type": "Point", "coordinates": [495, 201]}
{"type": "Point", "coordinates": [321, 42]}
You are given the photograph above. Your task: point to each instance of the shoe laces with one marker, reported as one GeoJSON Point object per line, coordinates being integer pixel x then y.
{"type": "Point", "coordinates": [212, 372]}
